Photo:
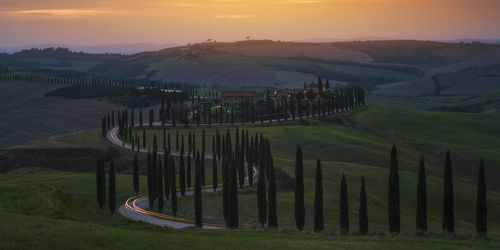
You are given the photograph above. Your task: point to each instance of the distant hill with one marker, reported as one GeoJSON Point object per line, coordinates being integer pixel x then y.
{"type": "Point", "coordinates": [402, 68]}
{"type": "Point", "coordinates": [125, 49]}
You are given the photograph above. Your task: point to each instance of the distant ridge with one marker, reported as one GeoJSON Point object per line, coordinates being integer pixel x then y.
{"type": "Point", "coordinates": [125, 49]}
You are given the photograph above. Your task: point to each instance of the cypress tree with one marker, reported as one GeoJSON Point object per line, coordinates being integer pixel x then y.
{"type": "Point", "coordinates": [261, 191]}
{"type": "Point", "coordinates": [144, 137]}
{"type": "Point", "coordinates": [160, 185]}
{"type": "Point", "coordinates": [394, 210]}
{"type": "Point", "coordinates": [299, 190]}
{"type": "Point", "coordinates": [241, 167]}
{"type": "Point", "coordinates": [112, 190]}
{"type": "Point", "coordinates": [215, 180]}
{"type": "Point", "coordinates": [363, 209]}
{"type": "Point", "coordinates": [481, 206]}
{"type": "Point", "coordinates": [202, 158]}
{"type": "Point", "coordinates": [318, 199]}
{"type": "Point", "coordinates": [166, 174]}
{"type": "Point", "coordinates": [136, 174]}
{"type": "Point", "coordinates": [273, 216]}
{"type": "Point", "coordinates": [150, 181]}
{"type": "Point", "coordinates": [188, 172]}
{"type": "Point", "coordinates": [225, 188]}
{"type": "Point", "coordinates": [173, 186]}
{"type": "Point", "coordinates": [448, 211]}
{"type": "Point", "coordinates": [421, 198]}
{"type": "Point", "coordinates": [182, 176]}
{"type": "Point", "coordinates": [233, 215]}
{"type": "Point", "coordinates": [198, 206]}
{"type": "Point", "coordinates": [344, 207]}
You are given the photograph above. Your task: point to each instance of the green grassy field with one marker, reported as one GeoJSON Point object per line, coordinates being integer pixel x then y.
{"type": "Point", "coordinates": [355, 143]}
{"type": "Point", "coordinates": [358, 144]}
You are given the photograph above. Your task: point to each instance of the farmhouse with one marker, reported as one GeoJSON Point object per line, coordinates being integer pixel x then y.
{"type": "Point", "coordinates": [229, 97]}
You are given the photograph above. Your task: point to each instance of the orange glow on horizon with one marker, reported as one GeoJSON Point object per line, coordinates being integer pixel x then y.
{"type": "Point", "coordinates": [157, 21]}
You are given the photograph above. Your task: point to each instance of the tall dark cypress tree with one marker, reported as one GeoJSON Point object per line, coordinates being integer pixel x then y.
{"type": "Point", "coordinates": [363, 209]}
{"type": "Point", "coordinates": [182, 174]}
{"type": "Point", "coordinates": [166, 174]}
{"type": "Point", "coordinates": [160, 185]}
{"type": "Point", "coordinates": [344, 207]}
{"type": "Point", "coordinates": [273, 216]}
{"type": "Point", "coordinates": [448, 210]}
{"type": "Point", "coordinates": [101, 183]}
{"type": "Point", "coordinates": [198, 206]}
{"type": "Point", "coordinates": [318, 199]}
{"type": "Point", "coordinates": [202, 159]}
{"type": "Point", "coordinates": [481, 205]}
{"type": "Point", "coordinates": [233, 214]}
{"type": "Point", "coordinates": [112, 188]}
{"type": "Point", "coordinates": [215, 180]}
{"type": "Point", "coordinates": [261, 190]}
{"type": "Point", "coordinates": [421, 221]}
{"type": "Point", "coordinates": [136, 174]}
{"type": "Point", "coordinates": [225, 188]}
{"type": "Point", "coordinates": [173, 186]}
{"type": "Point", "coordinates": [188, 172]}
{"type": "Point", "coordinates": [299, 190]}
{"type": "Point", "coordinates": [150, 181]}
{"type": "Point", "coordinates": [394, 210]}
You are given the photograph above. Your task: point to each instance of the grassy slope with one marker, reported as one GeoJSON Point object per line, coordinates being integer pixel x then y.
{"type": "Point", "coordinates": [355, 144]}
{"type": "Point", "coordinates": [57, 210]}
{"type": "Point", "coordinates": [358, 144]}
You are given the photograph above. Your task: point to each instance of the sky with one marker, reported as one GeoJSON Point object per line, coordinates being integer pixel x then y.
{"type": "Point", "coordinates": [97, 22]}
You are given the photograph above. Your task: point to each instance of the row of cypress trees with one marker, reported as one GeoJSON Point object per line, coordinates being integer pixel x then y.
{"type": "Point", "coordinates": [393, 199]}
{"type": "Point", "coordinates": [448, 216]}
{"type": "Point", "coordinates": [318, 200]}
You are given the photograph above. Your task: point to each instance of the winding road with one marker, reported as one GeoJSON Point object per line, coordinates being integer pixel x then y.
{"type": "Point", "coordinates": [135, 208]}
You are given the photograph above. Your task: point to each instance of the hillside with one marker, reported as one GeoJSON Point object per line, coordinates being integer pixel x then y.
{"type": "Point", "coordinates": [355, 143]}
{"type": "Point", "coordinates": [397, 72]}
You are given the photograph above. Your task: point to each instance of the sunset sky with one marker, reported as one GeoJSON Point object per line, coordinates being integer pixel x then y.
{"type": "Point", "coordinates": [95, 22]}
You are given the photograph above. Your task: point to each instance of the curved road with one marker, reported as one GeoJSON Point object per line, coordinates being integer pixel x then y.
{"type": "Point", "coordinates": [135, 208]}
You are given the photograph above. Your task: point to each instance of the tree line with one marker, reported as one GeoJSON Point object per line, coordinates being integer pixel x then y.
{"type": "Point", "coordinates": [394, 212]}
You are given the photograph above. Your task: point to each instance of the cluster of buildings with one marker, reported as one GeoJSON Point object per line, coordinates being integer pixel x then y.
{"type": "Point", "coordinates": [229, 97]}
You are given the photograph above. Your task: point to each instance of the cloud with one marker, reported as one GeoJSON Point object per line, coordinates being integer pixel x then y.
{"type": "Point", "coordinates": [235, 16]}
{"type": "Point", "coordinates": [56, 12]}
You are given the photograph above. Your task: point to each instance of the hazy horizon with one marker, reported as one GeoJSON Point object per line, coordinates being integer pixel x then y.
{"type": "Point", "coordinates": [108, 22]}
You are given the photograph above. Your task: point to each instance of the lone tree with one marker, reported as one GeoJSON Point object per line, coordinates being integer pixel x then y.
{"type": "Point", "coordinates": [299, 190]}
{"type": "Point", "coordinates": [448, 211]}
{"type": "Point", "coordinates": [363, 209]}
{"type": "Point", "coordinates": [481, 206]}
{"type": "Point", "coordinates": [318, 199]}
{"type": "Point", "coordinates": [344, 207]}
{"type": "Point", "coordinates": [101, 183]}
{"type": "Point", "coordinates": [421, 221]}
{"type": "Point", "coordinates": [112, 190]}
{"type": "Point", "coordinates": [198, 206]}
{"type": "Point", "coordinates": [136, 174]}
{"type": "Point", "coordinates": [394, 210]}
